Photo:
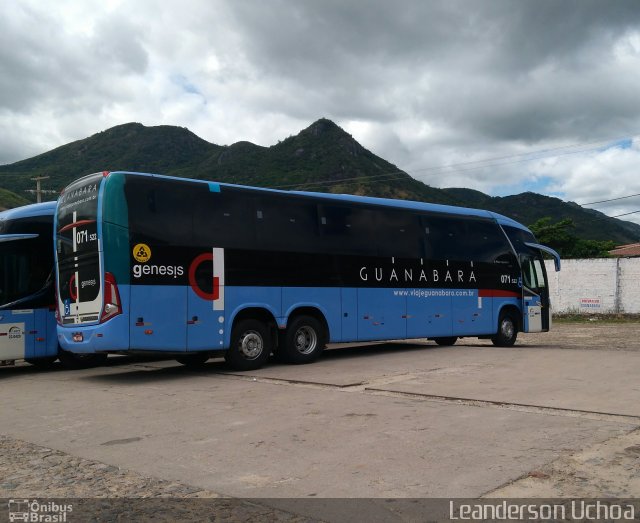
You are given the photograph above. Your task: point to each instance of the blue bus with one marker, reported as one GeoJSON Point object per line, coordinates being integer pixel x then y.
{"type": "Point", "coordinates": [27, 290]}
{"type": "Point", "coordinates": [192, 269]}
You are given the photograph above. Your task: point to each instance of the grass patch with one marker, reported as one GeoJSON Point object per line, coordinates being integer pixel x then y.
{"type": "Point", "coordinates": [596, 318]}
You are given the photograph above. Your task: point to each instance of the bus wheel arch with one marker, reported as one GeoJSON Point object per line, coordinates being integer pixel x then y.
{"type": "Point", "coordinates": [253, 335]}
{"type": "Point", "coordinates": [508, 327]}
{"type": "Point", "coordinates": [305, 337]}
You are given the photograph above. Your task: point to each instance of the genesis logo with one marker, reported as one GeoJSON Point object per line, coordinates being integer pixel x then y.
{"type": "Point", "coordinates": [142, 252]}
{"type": "Point", "coordinates": [158, 270]}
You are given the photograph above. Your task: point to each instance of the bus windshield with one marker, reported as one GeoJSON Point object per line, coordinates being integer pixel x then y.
{"type": "Point", "coordinates": [24, 272]}
{"type": "Point", "coordinates": [26, 258]}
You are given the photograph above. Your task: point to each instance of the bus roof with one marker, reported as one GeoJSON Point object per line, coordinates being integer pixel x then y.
{"type": "Point", "coordinates": [418, 206]}
{"type": "Point", "coordinates": [388, 202]}
{"type": "Point", "coordinates": [26, 211]}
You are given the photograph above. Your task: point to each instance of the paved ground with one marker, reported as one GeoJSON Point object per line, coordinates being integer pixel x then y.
{"type": "Point", "coordinates": [557, 415]}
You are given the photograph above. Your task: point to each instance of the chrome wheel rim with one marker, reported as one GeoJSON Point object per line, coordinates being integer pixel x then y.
{"type": "Point", "coordinates": [305, 340]}
{"type": "Point", "coordinates": [507, 328]}
{"type": "Point", "coordinates": [251, 345]}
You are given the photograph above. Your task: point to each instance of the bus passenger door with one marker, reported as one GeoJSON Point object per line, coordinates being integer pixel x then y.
{"type": "Point", "coordinates": [205, 302]}
{"type": "Point", "coordinates": [536, 304]}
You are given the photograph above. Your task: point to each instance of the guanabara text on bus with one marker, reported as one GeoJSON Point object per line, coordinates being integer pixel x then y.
{"type": "Point", "coordinates": [190, 268]}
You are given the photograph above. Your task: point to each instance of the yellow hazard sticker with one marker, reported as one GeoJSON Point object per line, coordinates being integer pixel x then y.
{"type": "Point", "coordinates": [142, 252]}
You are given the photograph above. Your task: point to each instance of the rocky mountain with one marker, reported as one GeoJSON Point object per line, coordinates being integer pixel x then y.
{"type": "Point", "coordinates": [322, 157]}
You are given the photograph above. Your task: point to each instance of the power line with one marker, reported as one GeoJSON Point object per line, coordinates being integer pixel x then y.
{"type": "Point", "coordinates": [624, 214]}
{"type": "Point", "coordinates": [467, 166]}
{"type": "Point", "coordinates": [605, 217]}
{"type": "Point", "coordinates": [610, 200]}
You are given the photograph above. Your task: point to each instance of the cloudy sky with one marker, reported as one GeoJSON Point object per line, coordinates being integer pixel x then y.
{"type": "Point", "coordinates": [497, 95]}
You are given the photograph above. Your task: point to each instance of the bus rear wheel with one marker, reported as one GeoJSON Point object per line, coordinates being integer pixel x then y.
{"type": "Point", "coordinates": [250, 345]}
{"type": "Point", "coordinates": [507, 330]}
{"type": "Point", "coordinates": [304, 340]}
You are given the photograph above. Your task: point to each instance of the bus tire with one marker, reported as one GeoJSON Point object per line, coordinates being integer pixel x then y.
{"type": "Point", "coordinates": [446, 341]}
{"type": "Point", "coordinates": [250, 345]}
{"type": "Point", "coordinates": [195, 360]}
{"type": "Point", "coordinates": [507, 330]}
{"type": "Point", "coordinates": [69, 360]}
{"type": "Point", "coordinates": [304, 340]}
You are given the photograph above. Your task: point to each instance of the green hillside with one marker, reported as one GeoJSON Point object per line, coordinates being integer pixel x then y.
{"type": "Point", "coordinates": [529, 207]}
{"type": "Point", "coordinates": [132, 147]}
{"type": "Point", "coordinates": [9, 200]}
{"type": "Point", "coordinates": [322, 157]}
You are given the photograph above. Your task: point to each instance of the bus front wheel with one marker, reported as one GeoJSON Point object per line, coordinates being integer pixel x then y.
{"type": "Point", "coordinates": [304, 340]}
{"type": "Point", "coordinates": [507, 330]}
{"type": "Point", "coordinates": [250, 345]}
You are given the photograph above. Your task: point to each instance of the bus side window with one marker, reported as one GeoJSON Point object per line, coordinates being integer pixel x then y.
{"type": "Point", "coordinates": [487, 243]}
{"type": "Point", "coordinates": [466, 239]}
{"type": "Point", "coordinates": [346, 230]}
{"type": "Point", "coordinates": [398, 234]}
{"type": "Point", "coordinates": [518, 238]}
{"type": "Point", "coordinates": [441, 235]}
{"type": "Point", "coordinates": [160, 212]}
{"type": "Point", "coordinates": [224, 219]}
{"type": "Point", "coordinates": [285, 224]}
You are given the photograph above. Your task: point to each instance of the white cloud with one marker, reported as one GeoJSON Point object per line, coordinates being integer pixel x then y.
{"type": "Point", "coordinates": [422, 84]}
{"type": "Point", "coordinates": [601, 175]}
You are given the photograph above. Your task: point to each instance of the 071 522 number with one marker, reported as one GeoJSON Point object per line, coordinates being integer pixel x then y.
{"type": "Point", "coordinates": [84, 236]}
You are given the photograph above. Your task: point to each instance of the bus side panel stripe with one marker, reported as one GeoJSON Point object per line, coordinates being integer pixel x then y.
{"type": "Point", "coordinates": [218, 279]}
{"type": "Point", "coordinates": [497, 293]}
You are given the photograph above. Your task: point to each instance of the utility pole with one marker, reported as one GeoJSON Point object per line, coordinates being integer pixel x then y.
{"type": "Point", "coordinates": [38, 179]}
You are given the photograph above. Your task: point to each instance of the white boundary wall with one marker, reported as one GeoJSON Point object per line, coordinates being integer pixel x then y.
{"type": "Point", "coordinates": [607, 285]}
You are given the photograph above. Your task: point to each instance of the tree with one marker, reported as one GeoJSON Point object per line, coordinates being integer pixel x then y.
{"type": "Point", "coordinates": [558, 236]}
{"type": "Point", "coordinates": [555, 235]}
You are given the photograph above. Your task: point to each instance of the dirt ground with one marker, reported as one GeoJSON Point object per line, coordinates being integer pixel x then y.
{"type": "Point", "coordinates": [428, 391]}
{"type": "Point", "coordinates": [597, 334]}
{"type": "Point", "coordinates": [607, 469]}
